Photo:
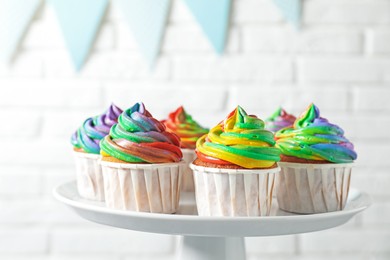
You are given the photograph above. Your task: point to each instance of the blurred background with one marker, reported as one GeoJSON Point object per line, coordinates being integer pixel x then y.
{"type": "Point", "coordinates": [339, 59]}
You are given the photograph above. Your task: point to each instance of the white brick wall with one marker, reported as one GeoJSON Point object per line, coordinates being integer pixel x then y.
{"type": "Point", "coordinates": [340, 60]}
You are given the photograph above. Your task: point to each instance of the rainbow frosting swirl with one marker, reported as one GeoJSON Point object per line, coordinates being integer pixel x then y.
{"type": "Point", "coordinates": [278, 120]}
{"type": "Point", "coordinates": [239, 140]}
{"type": "Point", "coordinates": [88, 136]}
{"type": "Point", "coordinates": [314, 138]}
{"type": "Point", "coordinates": [140, 138]}
{"type": "Point", "coordinates": [182, 124]}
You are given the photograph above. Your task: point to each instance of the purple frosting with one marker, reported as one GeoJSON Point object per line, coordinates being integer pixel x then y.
{"type": "Point", "coordinates": [88, 136]}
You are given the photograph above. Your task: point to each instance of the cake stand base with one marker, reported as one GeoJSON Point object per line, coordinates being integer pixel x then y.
{"type": "Point", "coordinates": [212, 248]}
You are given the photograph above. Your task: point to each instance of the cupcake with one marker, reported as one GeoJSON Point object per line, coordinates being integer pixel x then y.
{"type": "Point", "coordinates": [278, 120]}
{"type": "Point", "coordinates": [316, 164]}
{"type": "Point", "coordinates": [86, 148]}
{"type": "Point", "coordinates": [189, 131]}
{"type": "Point", "coordinates": [142, 164]}
{"type": "Point", "coordinates": [235, 167]}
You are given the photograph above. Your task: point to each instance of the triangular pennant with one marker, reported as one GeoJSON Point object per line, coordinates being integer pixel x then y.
{"type": "Point", "coordinates": [291, 10]}
{"type": "Point", "coordinates": [213, 17]}
{"type": "Point", "coordinates": [147, 20]}
{"type": "Point", "coordinates": [15, 16]}
{"type": "Point", "coordinates": [79, 21]}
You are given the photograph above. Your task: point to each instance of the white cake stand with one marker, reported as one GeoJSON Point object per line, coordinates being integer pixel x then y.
{"type": "Point", "coordinates": [210, 238]}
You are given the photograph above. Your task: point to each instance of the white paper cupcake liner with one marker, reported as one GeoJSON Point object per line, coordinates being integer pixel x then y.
{"type": "Point", "coordinates": [188, 177]}
{"type": "Point", "coordinates": [143, 187]}
{"type": "Point", "coordinates": [313, 188]}
{"type": "Point", "coordinates": [231, 192]}
{"type": "Point", "coordinates": [89, 176]}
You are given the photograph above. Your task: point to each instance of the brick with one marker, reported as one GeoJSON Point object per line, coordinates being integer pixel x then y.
{"type": "Point", "coordinates": [109, 240]}
{"type": "Point", "coordinates": [327, 98]}
{"type": "Point", "coordinates": [74, 119]}
{"type": "Point", "coordinates": [36, 152]}
{"type": "Point", "coordinates": [185, 38]}
{"type": "Point", "coordinates": [18, 181]}
{"type": "Point", "coordinates": [267, 39]}
{"type": "Point", "coordinates": [348, 241]}
{"type": "Point", "coordinates": [50, 93]}
{"type": "Point", "coordinates": [376, 41]}
{"type": "Point", "coordinates": [277, 39]}
{"type": "Point", "coordinates": [341, 69]}
{"type": "Point", "coordinates": [233, 68]}
{"type": "Point", "coordinates": [371, 180]}
{"type": "Point", "coordinates": [47, 15]}
{"type": "Point", "coordinates": [28, 211]}
{"type": "Point", "coordinates": [105, 37]}
{"type": "Point", "coordinates": [124, 65]}
{"type": "Point", "coordinates": [39, 31]}
{"type": "Point", "coordinates": [57, 64]}
{"type": "Point", "coordinates": [259, 11]}
{"type": "Point", "coordinates": [24, 65]}
{"type": "Point", "coordinates": [372, 154]}
{"type": "Point", "coordinates": [192, 39]}
{"type": "Point", "coordinates": [377, 215]}
{"type": "Point", "coordinates": [259, 102]}
{"type": "Point", "coordinates": [346, 12]}
{"type": "Point", "coordinates": [192, 96]}
{"type": "Point", "coordinates": [24, 240]}
{"type": "Point", "coordinates": [358, 127]}
{"type": "Point", "coordinates": [265, 245]}
{"type": "Point", "coordinates": [56, 213]}
{"type": "Point", "coordinates": [372, 100]}
{"type": "Point", "coordinates": [21, 123]}
{"type": "Point", "coordinates": [124, 37]}
{"type": "Point", "coordinates": [113, 14]}
{"type": "Point", "coordinates": [180, 13]}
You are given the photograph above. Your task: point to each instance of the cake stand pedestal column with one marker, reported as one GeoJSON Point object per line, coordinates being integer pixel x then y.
{"type": "Point", "coordinates": [212, 248]}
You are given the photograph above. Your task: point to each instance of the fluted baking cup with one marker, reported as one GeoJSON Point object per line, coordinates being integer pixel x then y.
{"type": "Point", "coordinates": [89, 176]}
{"type": "Point", "coordinates": [233, 192]}
{"type": "Point", "coordinates": [189, 156]}
{"type": "Point", "coordinates": [313, 188]}
{"type": "Point", "coordinates": [143, 187]}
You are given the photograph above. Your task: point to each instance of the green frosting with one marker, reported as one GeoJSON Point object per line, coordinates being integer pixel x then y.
{"type": "Point", "coordinates": [314, 138]}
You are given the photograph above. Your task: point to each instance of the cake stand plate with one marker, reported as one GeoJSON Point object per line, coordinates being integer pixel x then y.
{"type": "Point", "coordinates": [210, 238]}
